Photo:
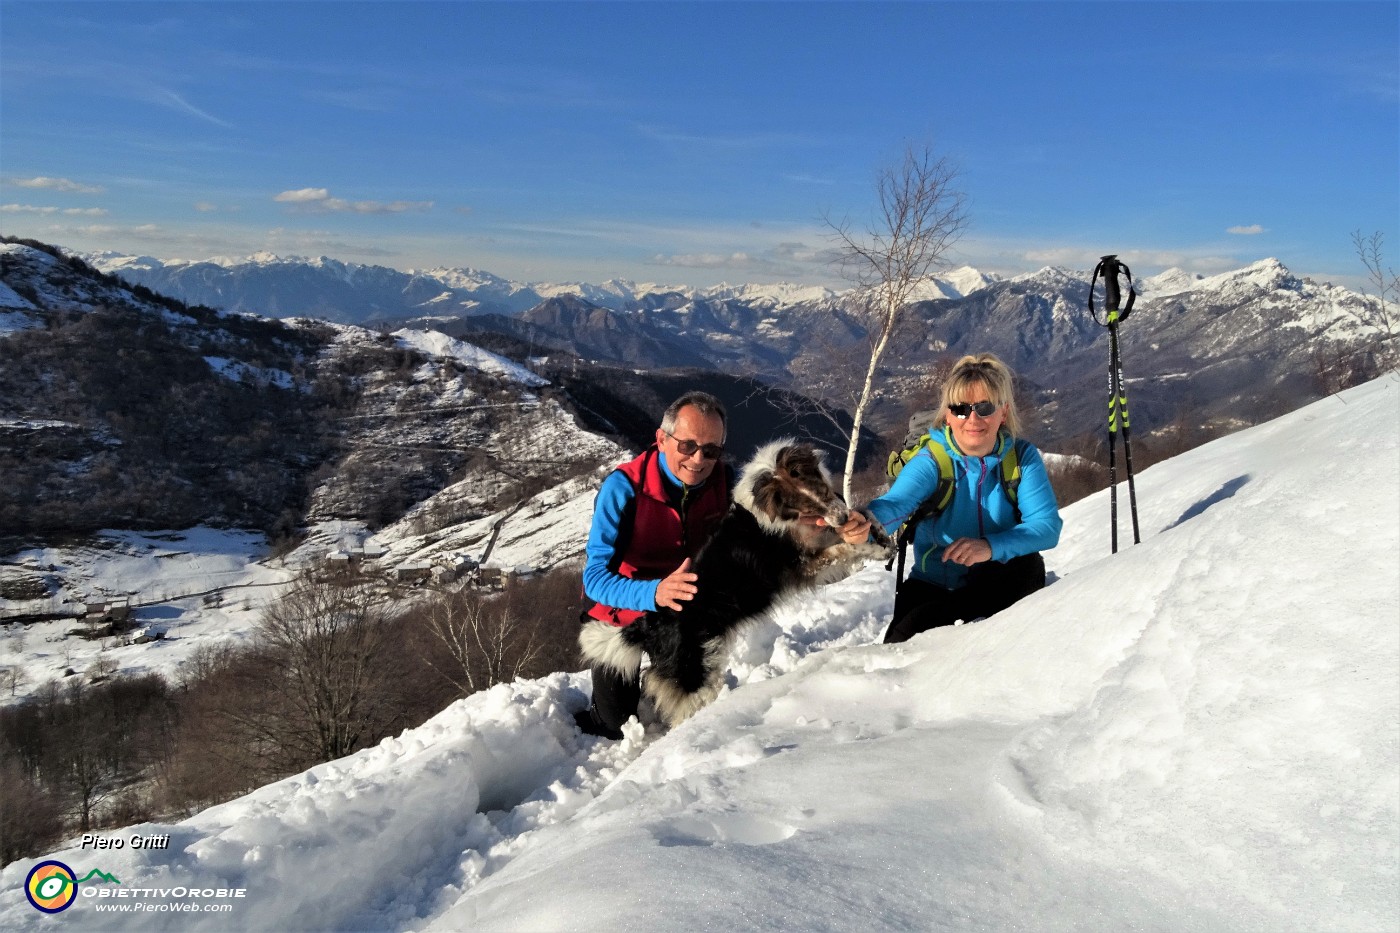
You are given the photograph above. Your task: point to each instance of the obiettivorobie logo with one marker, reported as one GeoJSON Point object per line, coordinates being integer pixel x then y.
{"type": "Point", "coordinates": [52, 886]}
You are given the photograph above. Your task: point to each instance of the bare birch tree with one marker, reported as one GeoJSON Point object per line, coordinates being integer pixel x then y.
{"type": "Point", "coordinates": [920, 214]}
{"type": "Point", "coordinates": [1387, 283]}
{"type": "Point", "coordinates": [479, 643]}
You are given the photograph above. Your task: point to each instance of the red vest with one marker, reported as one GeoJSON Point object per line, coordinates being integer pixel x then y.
{"type": "Point", "coordinates": [660, 537]}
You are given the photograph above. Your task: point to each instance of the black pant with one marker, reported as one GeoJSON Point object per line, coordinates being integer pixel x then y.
{"type": "Point", "coordinates": [990, 587]}
{"type": "Point", "coordinates": [615, 699]}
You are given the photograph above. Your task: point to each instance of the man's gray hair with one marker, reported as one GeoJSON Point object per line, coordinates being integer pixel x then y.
{"type": "Point", "coordinates": [704, 402]}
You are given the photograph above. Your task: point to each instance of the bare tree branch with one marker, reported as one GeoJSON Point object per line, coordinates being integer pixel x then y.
{"type": "Point", "coordinates": [1387, 283]}
{"type": "Point", "coordinates": [484, 640]}
{"type": "Point", "coordinates": [920, 214]}
{"type": "Point", "coordinates": [326, 638]}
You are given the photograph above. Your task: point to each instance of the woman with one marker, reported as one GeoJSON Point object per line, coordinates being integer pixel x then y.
{"type": "Point", "coordinates": [982, 552]}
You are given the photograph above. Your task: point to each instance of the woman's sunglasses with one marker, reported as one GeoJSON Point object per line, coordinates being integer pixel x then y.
{"type": "Point", "coordinates": [963, 409]}
{"type": "Point", "coordinates": [689, 447]}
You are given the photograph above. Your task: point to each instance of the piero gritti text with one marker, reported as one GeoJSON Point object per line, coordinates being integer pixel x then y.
{"type": "Point", "coordinates": [137, 841]}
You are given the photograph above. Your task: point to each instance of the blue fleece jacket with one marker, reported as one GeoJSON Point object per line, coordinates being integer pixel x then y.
{"type": "Point", "coordinates": [980, 508]}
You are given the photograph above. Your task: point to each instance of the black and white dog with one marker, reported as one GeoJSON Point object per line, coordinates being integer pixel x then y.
{"type": "Point", "coordinates": [767, 546]}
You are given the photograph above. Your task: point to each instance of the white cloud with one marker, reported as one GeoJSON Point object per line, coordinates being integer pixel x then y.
{"type": "Point", "coordinates": [303, 195]}
{"type": "Point", "coordinates": [169, 98]}
{"type": "Point", "coordinates": [703, 260]}
{"type": "Point", "coordinates": [319, 200]}
{"type": "Point", "coordinates": [145, 232]}
{"type": "Point", "coordinates": [51, 211]}
{"type": "Point", "coordinates": [1014, 257]}
{"type": "Point", "coordinates": [1250, 230]}
{"type": "Point", "coordinates": [801, 252]}
{"type": "Point", "coordinates": [55, 184]}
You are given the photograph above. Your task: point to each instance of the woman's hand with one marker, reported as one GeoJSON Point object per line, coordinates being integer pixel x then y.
{"type": "Point", "coordinates": [855, 531]}
{"type": "Point", "coordinates": [968, 551]}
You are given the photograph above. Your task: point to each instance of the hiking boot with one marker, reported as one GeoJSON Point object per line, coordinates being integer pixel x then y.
{"type": "Point", "coordinates": [589, 725]}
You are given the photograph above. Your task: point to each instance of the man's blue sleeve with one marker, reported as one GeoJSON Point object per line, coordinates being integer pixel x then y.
{"type": "Point", "coordinates": [600, 583]}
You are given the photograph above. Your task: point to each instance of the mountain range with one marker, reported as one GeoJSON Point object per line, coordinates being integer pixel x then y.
{"type": "Point", "coordinates": [1219, 351]}
{"type": "Point", "coordinates": [351, 293]}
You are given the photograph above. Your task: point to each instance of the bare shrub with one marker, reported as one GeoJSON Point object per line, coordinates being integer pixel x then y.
{"type": "Point", "coordinates": [320, 683]}
{"type": "Point", "coordinates": [31, 820]}
{"type": "Point", "coordinates": [474, 639]}
{"type": "Point", "coordinates": [212, 759]}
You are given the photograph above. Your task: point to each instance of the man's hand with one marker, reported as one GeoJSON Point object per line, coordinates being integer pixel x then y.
{"type": "Point", "coordinates": [673, 591]}
{"type": "Point", "coordinates": [968, 551]}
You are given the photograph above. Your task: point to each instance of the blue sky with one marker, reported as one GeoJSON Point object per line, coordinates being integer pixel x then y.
{"type": "Point", "coordinates": [693, 143]}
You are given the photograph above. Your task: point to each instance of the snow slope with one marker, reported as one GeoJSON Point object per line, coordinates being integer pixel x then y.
{"type": "Point", "coordinates": [1200, 732]}
{"type": "Point", "coordinates": [438, 344]}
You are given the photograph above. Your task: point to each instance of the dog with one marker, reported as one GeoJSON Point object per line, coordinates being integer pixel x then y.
{"type": "Point", "coordinates": [768, 546]}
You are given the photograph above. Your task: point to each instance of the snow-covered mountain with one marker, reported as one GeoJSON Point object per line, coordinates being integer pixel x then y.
{"type": "Point", "coordinates": [1200, 732]}
{"type": "Point", "coordinates": [1229, 349]}
{"type": "Point", "coordinates": [353, 293]}
{"type": "Point", "coordinates": [1256, 341]}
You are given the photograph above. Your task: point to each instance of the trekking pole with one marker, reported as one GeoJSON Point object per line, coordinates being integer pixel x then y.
{"type": "Point", "coordinates": [1109, 267]}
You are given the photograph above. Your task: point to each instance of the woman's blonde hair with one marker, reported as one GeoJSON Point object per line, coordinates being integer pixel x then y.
{"type": "Point", "coordinates": [991, 373]}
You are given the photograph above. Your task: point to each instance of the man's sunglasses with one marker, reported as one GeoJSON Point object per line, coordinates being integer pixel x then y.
{"type": "Point", "coordinates": [963, 409]}
{"type": "Point", "coordinates": [688, 447]}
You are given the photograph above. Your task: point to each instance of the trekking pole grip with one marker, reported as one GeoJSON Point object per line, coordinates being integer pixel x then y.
{"type": "Point", "coordinates": [1111, 295]}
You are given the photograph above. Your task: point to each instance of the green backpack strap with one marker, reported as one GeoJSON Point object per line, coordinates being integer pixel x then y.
{"type": "Point", "coordinates": [1011, 472]}
{"type": "Point", "coordinates": [935, 503]}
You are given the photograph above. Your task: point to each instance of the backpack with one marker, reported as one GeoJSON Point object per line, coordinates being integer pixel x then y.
{"type": "Point", "coordinates": [943, 493]}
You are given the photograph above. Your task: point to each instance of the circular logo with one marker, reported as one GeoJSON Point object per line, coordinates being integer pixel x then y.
{"type": "Point", "coordinates": [51, 887]}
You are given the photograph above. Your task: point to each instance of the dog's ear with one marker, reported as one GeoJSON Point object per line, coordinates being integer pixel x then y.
{"type": "Point", "coordinates": [798, 460]}
{"type": "Point", "coordinates": [768, 496]}
{"type": "Point", "coordinates": [808, 463]}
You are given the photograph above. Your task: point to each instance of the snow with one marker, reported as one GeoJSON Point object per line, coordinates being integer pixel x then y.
{"type": "Point", "coordinates": [238, 371]}
{"type": "Point", "coordinates": [1200, 732]}
{"type": "Point", "coordinates": [28, 254]}
{"type": "Point", "coordinates": [468, 287]}
{"type": "Point", "coordinates": [172, 571]}
{"type": "Point", "coordinates": [777, 295]}
{"type": "Point", "coordinates": [550, 528]}
{"type": "Point", "coordinates": [1173, 281]}
{"type": "Point", "coordinates": [435, 343]}
{"type": "Point", "coordinates": [958, 283]}
{"type": "Point", "coordinates": [11, 321]}
{"type": "Point", "coordinates": [9, 298]}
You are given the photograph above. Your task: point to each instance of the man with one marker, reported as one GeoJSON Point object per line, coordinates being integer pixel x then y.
{"type": "Point", "coordinates": [650, 519]}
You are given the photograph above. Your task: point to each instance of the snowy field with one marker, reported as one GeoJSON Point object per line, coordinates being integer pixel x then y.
{"type": "Point", "coordinates": [199, 585]}
{"type": "Point", "coordinates": [1199, 733]}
